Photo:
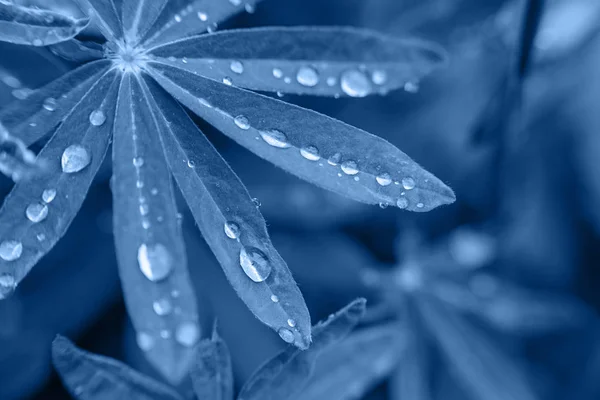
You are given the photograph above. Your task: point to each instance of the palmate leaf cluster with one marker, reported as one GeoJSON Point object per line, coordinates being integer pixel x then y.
{"type": "Point", "coordinates": [130, 91]}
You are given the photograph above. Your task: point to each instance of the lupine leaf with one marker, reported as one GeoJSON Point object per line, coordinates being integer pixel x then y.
{"type": "Point", "coordinates": [212, 376]}
{"type": "Point", "coordinates": [325, 61]}
{"type": "Point", "coordinates": [76, 51]}
{"type": "Point", "coordinates": [230, 222]}
{"type": "Point", "coordinates": [182, 18]}
{"type": "Point", "coordinates": [89, 376]}
{"type": "Point", "coordinates": [139, 15]}
{"type": "Point", "coordinates": [24, 241]}
{"type": "Point", "coordinates": [105, 14]}
{"type": "Point", "coordinates": [31, 26]}
{"type": "Point", "coordinates": [474, 359]}
{"type": "Point", "coordinates": [43, 109]}
{"type": "Point", "coordinates": [16, 161]}
{"type": "Point", "coordinates": [148, 238]}
{"type": "Point", "coordinates": [409, 381]}
{"type": "Point", "coordinates": [306, 143]}
{"type": "Point", "coordinates": [349, 369]}
{"type": "Point", "coordinates": [285, 374]}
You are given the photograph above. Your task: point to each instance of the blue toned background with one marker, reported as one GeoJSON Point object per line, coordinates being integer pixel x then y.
{"type": "Point", "coordinates": [515, 258]}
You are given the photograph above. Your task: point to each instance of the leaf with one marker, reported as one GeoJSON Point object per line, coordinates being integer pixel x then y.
{"type": "Point", "coordinates": [16, 161]}
{"type": "Point", "coordinates": [89, 376]}
{"type": "Point", "coordinates": [409, 381]}
{"type": "Point", "coordinates": [474, 359]}
{"type": "Point", "coordinates": [148, 238]}
{"type": "Point", "coordinates": [37, 213]}
{"type": "Point", "coordinates": [319, 149]}
{"type": "Point", "coordinates": [212, 375]}
{"type": "Point", "coordinates": [43, 109]}
{"type": "Point", "coordinates": [76, 51]}
{"type": "Point", "coordinates": [104, 13]}
{"type": "Point", "coordinates": [230, 222]}
{"type": "Point", "coordinates": [182, 18]}
{"type": "Point", "coordinates": [325, 61]}
{"type": "Point", "coordinates": [31, 26]}
{"type": "Point", "coordinates": [285, 374]}
{"type": "Point", "coordinates": [138, 16]}
{"type": "Point", "coordinates": [350, 368]}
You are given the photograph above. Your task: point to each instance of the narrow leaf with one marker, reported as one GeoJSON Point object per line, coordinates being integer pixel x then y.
{"type": "Point", "coordinates": [37, 212]}
{"type": "Point", "coordinates": [89, 376]}
{"type": "Point", "coordinates": [349, 369]}
{"type": "Point", "coordinates": [474, 359]}
{"type": "Point", "coordinates": [76, 51]}
{"type": "Point", "coordinates": [409, 381]}
{"type": "Point", "coordinates": [31, 26]}
{"type": "Point", "coordinates": [319, 149]}
{"type": "Point", "coordinates": [16, 161]}
{"type": "Point", "coordinates": [230, 223]}
{"type": "Point", "coordinates": [139, 15]}
{"type": "Point", "coordinates": [105, 14]}
{"type": "Point", "coordinates": [284, 375]}
{"type": "Point", "coordinates": [148, 238]}
{"type": "Point", "coordinates": [43, 109]}
{"type": "Point", "coordinates": [212, 376]}
{"type": "Point", "coordinates": [183, 18]}
{"type": "Point", "coordinates": [324, 61]}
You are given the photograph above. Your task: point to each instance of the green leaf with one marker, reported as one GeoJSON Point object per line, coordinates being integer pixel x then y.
{"type": "Point", "coordinates": [105, 15]}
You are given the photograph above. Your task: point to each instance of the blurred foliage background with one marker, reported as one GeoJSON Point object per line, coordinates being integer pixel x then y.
{"type": "Point", "coordinates": [526, 173]}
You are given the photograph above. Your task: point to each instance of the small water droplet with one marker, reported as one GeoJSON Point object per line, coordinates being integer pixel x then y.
{"type": "Point", "coordinates": [232, 230]}
{"type": "Point", "coordinates": [384, 179]}
{"type": "Point", "coordinates": [97, 118]}
{"type": "Point", "coordinates": [286, 334]}
{"type": "Point", "coordinates": [291, 322]}
{"type": "Point", "coordinates": [408, 183]}
{"type": "Point", "coordinates": [138, 162]}
{"type": "Point", "coordinates": [235, 2]}
{"type": "Point", "coordinates": [334, 159]}
{"type": "Point", "coordinates": [37, 42]}
{"type": "Point", "coordinates": [383, 206]}
{"type": "Point", "coordinates": [74, 159]}
{"type": "Point", "coordinates": [146, 224]}
{"type": "Point", "coordinates": [36, 212]}
{"type": "Point", "coordinates": [50, 104]}
{"type": "Point", "coordinates": [144, 209]}
{"type": "Point", "coordinates": [275, 138]}
{"type": "Point", "coordinates": [48, 195]}
{"type": "Point", "coordinates": [277, 73]}
{"type": "Point", "coordinates": [139, 184]}
{"type": "Point", "coordinates": [11, 250]}
{"type": "Point", "coordinates": [355, 83]}
{"type": "Point", "coordinates": [162, 307]}
{"type": "Point", "coordinates": [155, 261]}
{"type": "Point", "coordinates": [177, 18]}
{"type": "Point", "coordinates": [145, 341]}
{"type": "Point", "coordinates": [202, 16]}
{"type": "Point", "coordinates": [237, 67]}
{"type": "Point", "coordinates": [187, 334]}
{"type": "Point", "coordinates": [41, 237]}
{"type": "Point", "coordinates": [191, 164]}
{"type": "Point", "coordinates": [274, 299]}
{"type": "Point", "coordinates": [242, 122]}
{"type": "Point", "coordinates": [411, 87]}
{"type": "Point", "coordinates": [420, 205]}
{"type": "Point", "coordinates": [402, 203]}
{"type": "Point", "coordinates": [255, 264]}
{"type": "Point", "coordinates": [8, 284]}
{"type": "Point", "coordinates": [331, 81]}
{"type": "Point", "coordinates": [307, 76]}
{"type": "Point", "coordinates": [310, 153]}
{"type": "Point", "coordinates": [379, 77]}
{"type": "Point", "coordinates": [227, 81]}
{"type": "Point", "coordinates": [350, 167]}
{"type": "Point", "coordinates": [250, 8]}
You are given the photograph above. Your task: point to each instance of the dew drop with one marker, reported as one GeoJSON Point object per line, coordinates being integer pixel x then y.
{"type": "Point", "coordinates": [310, 153]}
{"type": "Point", "coordinates": [145, 341]}
{"type": "Point", "coordinates": [331, 81]}
{"type": "Point", "coordinates": [255, 264]}
{"type": "Point", "coordinates": [144, 209]}
{"type": "Point", "coordinates": [384, 179]}
{"type": "Point", "coordinates": [334, 159]}
{"type": "Point", "coordinates": [177, 18]}
{"type": "Point", "coordinates": [155, 261]}
{"type": "Point", "coordinates": [191, 164]}
{"type": "Point", "coordinates": [242, 122]}
{"type": "Point", "coordinates": [48, 195]}
{"type": "Point", "coordinates": [286, 334]}
{"type": "Point", "coordinates": [307, 76]}
{"type": "Point", "coordinates": [8, 284]}
{"type": "Point", "coordinates": [212, 27]}
{"type": "Point", "coordinates": [277, 73]}
{"type": "Point", "coordinates": [97, 118]}
{"type": "Point", "coordinates": [162, 307]}
{"type": "Point", "coordinates": [11, 250]}
{"type": "Point", "coordinates": [37, 42]}
{"type": "Point", "coordinates": [402, 203]}
{"type": "Point", "coordinates": [349, 167]}
{"type": "Point", "coordinates": [355, 83]}
{"type": "Point", "coordinates": [274, 298]}
{"type": "Point", "coordinates": [408, 183]}
{"type": "Point", "coordinates": [291, 322]}
{"type": "Point", "coordinates": [235, 2]}
{"type": "Point", "coordinates": [275, 138]}
{"type": "Point", "coordinates": [411, 87]}
{"type": "Point", "coordinates": [138, 162]}
{"type": "Point", "coordinates": [237, 67]}
{"type": "Point", "coordinates": [74, 159]}
{"type": "Point", "coordinates": [41, 237]}
{"type": "Point", "coordinates": [50, 104]}
{"type": "Point", "coordinates": [187, 334]}
{"type": "Point", "coordinates": [250, 8]}
{"type": "Point", "coordinates": [379, 77]}
{"type": "Point", "coordinates": [227, 81]}
{"type": "Point", "coordinates": [420, 205]}
{"type": "Point", "coordinates": [36, 212]}
{"type": "Point", "coordinates": [202, 16]}
{"type": "Point", "coordinates": [232, 230]}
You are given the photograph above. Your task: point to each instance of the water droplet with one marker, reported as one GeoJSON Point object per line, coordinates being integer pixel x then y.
{"type": "Point", "coordinates": [291, 322]}
{"type": "Point", "coordinates": [8, 284]}
{"type": "Point", "coordinates": [21, 94]}
{"type": "Point", "coordinates": [250, 8]}
{"type": "Point", "coordinates": [420, 205]}
{"type": "Point", "coordinates": [235, 2]}
{"type": "Point", "coordinates": [97, 118]}
{"type": "Point", "coordinates": [255, 264]}
{"type": "Point", "coordinates": [144, 209]}
{"type": "Point", "coordinates": [177, 18]}
{"type": "Point", "coordinates": [408, 183]}
{"type": "Point", "coordinates": [379, 77]}
{"type": "Point", "coordinates": [191, 164]}
{"type": "Point", "coordinates": [331, 81]}
{"type": "Point", "coordinates": [274, 299]}
{"type": "Point", "coordinates": [11, 250]}
{"type": "Point", "coordinates": [145, 224]}
{"type": "Point", "coordinates": [155, 261]}
{"type": "Point", "coordinates": [286, 335]}
{"type": "Point", "coordinates": [334, 159]}
{"type": "Point", "coordinates": [162, 307]}
{"type": "Point", "coordinates": [187, 334]}
{"type": "Point", "coordinates": [384, 179]}
{"type": "Point", "coordinates": [307, 76]}
{"type": "Point", "coordinates": [165, 334]}
{"type": "Point", "coordinates": [36, 212]}
{"type": "Point", "coordinates": [355, 83]}
{"type": "Point", "coordinates": [310, 153]}
{"type": "Point", "coordinates": [145, 341]}
{"type": "Point", "coordinates": [383, 206]}
{"type": "Point", "coordinates": [50, 104]}
{"type": "Point", "coordinates": [212, 27]}
{"type": "Point", "coordinates": [37, 42]}
{"type": "Point", "coordinates": [41, 237]}
{"type": "Point", "coordinates": [202, 16]}
{"type": "Point", "coordinates": [275, 138]}
{"type": "Point", "coordinates": [350, 167]}
{"type": "Point", "coordinates": [242, 122]}
{"type": "Point", "coordinates": [232, 230]}
{"type": "Point", "coordinates": [237, 67]}
{"type": "Point", "coordinates": [138, 162]}
{"type": "Point", "coordinates": [277, 73]}
{"type": "Point", "coordinates": [411, 87]}
{"type": "Point", "coordinates": [48, 195]}
{"type": "Point", "coordinates": [74, 159]}
{"type": "Point", "coordinates": [227, 81]}
{"type": "Point", "coordinates": [402, 203]}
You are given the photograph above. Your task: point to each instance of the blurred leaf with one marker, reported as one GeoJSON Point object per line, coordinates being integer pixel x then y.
{"type": "Point", "coordinates": [104, 13]}
{"type": "Point", "coordinates": [16, 161]}
{"type": "Point", "coordinates": [409, 381]}
{"type": "Point", "coordinates": [212, 376]}
{"type": "Point", "coordinates": [76, 51]}
{"type": "Point", "coordinates": [148, 238]}
{"type": "Point", "coordinates": [91, 377]}
{"type": "Point", "coordinates": [31, 26]}
{"type": "Point", "coordinates": [309, 145]}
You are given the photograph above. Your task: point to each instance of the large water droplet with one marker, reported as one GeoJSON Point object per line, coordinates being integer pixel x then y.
{"type": "Point", "coordinates": [307, 76]}
{"type": "Point", "coordinates": [11, 250]}
{"type": "Point", "coordinates": [384, 179]}
{"type": "Point", "coordinates": [242, 122]}
{"type": "Point", "coordinates": [8, 284]}
{"type": "Point", "coordinates": [255, 264]}
{"type": "Point", "coordinates": [355, 83]}
{"type": "Point", "coordinates": [97, 118]}
{"type": "Point", "coordinates": [237, 67]}
{"type": "Point", "coordinates": [145, 341]}
{"type": "Point", "coordinates": [310, 153]}
{"type": "Point", "coordinates": [48, 195]}
{"type": "Point", "coordinates": [50, 104]}
{"type": "Point", "coordinates": [187, 334]}
{"type": "Point", "coordinates": [232, 230]}
{"type": "Point", "coordinates": [155, 261]}
{"type": "Point", "coordinates": [36, 212]}
{"type": "Point", "coordinates": [162, 307]}
{"type": "Point", "coordinates": [286, 334]}
{"type": "Point", "coordinates": [408, 183]}
{"type": "Point", "coordinates": [350, 167]}
{"type": "Point", "coordinates": [74, 159]}
{"type": "Point", "coordinates": [275, 138]}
